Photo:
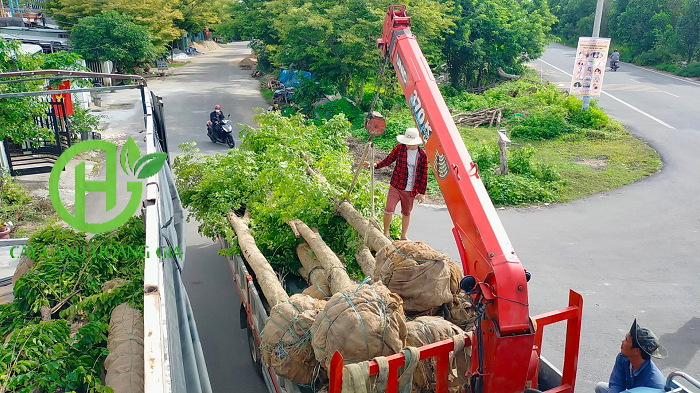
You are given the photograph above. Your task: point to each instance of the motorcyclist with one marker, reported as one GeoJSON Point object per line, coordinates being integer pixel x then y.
{"type": "Point", "coordinates": [614, 57]}
{"type": "Point", "coordinates": [216, 118]}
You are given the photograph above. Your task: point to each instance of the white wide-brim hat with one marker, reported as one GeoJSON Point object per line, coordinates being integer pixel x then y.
{"type": "Point", "coordinates": [411, 137]}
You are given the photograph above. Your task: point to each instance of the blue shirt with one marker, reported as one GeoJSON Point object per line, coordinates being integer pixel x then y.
{"type": "Point", "coordinates": [623, 378]}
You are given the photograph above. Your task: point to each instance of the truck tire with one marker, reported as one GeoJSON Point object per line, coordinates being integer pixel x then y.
{"type": "Point", "coordinates": [255, 354]}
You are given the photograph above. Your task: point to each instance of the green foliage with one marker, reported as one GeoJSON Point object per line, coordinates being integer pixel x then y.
{"type": "Point", "coordinates": [18, 205]}
{"type": "Point", "coordinates": [268, 177]}
{"type": "Point", "coordinates": [354, 115]}
{"type": "Point", "coordinates": [691, 70]}
{"type": "Point", "coordinates": [336, 40]}
{"type": "Point", "coordinates": [594, 117]}
{"type": "Point", "coordinates": [17, 114]}
{"type": "Point", "coordinates": [68, 278]}
{"type": "Point", "coordinates": [82, 120]}
{"type": "Point", "coordinates": [494, 33]}
{"type": "Point", "coordinates": [647, 32]}
{"type": "Point", "coordinates": [310, 91]}
{"type": "Point", "coordinates": [668, 67]}
{"type": "Point", "coordinates": [112, 36]}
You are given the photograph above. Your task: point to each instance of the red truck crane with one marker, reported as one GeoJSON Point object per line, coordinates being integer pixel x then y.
{"type": "Point", "coordinates": [507, 343]}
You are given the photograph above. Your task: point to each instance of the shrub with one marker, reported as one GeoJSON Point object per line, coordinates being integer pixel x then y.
{"type": "Point", "coordinates": [594, 117]}
{"type": "Point", "coordinates": [692, 70]}
{"type": "Point", "coordinates": [657, 55]}
{"type": "Point", "coordinates": [548, 123]}
{"type": "Point", "coordinates": [352, 113]}
{"type": "Point", "coordinates": [514, 189]}
{"type": "Point", "coordinates": [668, 67]}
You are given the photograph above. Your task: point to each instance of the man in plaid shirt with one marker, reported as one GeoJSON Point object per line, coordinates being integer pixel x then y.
{"type": "Point", "coordinates": [410, 178]}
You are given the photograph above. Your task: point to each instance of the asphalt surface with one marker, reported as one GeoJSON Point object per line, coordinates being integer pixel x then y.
{"type": "Point", "coordinates": [189, 96]}
{"type": "Point", "coordinates": [631, 252]}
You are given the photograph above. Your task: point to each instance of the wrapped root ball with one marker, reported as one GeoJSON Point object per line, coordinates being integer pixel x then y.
{"type": "Point", "coordinates": [286, 339]}
{"type": "Point", "coordinates": [427, 330]}
{"type": "Point", "coordinates": [417, 273]}
{"type": "Point", "coordinates": [361, 323]}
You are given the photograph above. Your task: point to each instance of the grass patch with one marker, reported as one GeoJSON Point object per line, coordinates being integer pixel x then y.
{"type": "Point", "coordinates": [268, 95]}
{"type": "Point", "coordinates": [585, 163]}
{"type": "Point", "coordinates": [27, 212]}
{"type": "Point", "coordinates": [558, 153]}
{"type": "Point", "coordinates": [177, 64]}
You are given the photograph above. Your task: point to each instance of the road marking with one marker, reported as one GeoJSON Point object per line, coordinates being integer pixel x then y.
{"type": "Point", "coordinates": [667, 75]}
{"type": "Point", "coordinates": [671, 94]}
{"type": "Point", "coordinates": [616, 99]}
{"type": "Point", "coordinates": [634, 80]}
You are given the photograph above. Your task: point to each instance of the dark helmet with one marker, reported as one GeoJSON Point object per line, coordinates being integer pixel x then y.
{"type": "Point", "coordinates": [217, 107]}
{"type": "Point", "coordinates": [614, 50]}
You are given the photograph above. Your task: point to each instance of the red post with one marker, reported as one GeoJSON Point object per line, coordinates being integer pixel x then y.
{"type": "Point", "coordinates": [67, 99]}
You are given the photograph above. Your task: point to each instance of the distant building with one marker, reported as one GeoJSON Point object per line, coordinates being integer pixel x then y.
{"type": "Point", "coordinates": [51, 40]}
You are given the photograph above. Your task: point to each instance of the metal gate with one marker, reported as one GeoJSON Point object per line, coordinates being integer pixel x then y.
{"type": "Point", "coordinates": [38, 155]}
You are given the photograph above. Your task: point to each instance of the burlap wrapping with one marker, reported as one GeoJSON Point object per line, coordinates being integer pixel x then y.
{"type": "Point", "coordinates": [124, 364]}
{"type": "Point", "coordinates": [318, 291]}
{"type": "Point", "coordinates": [456, 275]}
{"type": "Point", "coordinates": [416, 272]}
{"type": "Point", "coordinates": [286, 339]}
{"type": "Point", "coordinates": [462, 311]}
{"type": "Point", "coordinates": [361, 324]}
{"type": "Point", "coordinates": [428, 330]}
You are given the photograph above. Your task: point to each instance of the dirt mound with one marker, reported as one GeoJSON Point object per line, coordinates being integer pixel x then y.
{"type": "Point", "coordinates": [248, 61]}
{"type": "Point", "coordinates": [205, 46]}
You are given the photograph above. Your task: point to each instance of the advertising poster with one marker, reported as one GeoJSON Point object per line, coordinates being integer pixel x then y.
{"type": "Point", "coordinates": [589, 66]}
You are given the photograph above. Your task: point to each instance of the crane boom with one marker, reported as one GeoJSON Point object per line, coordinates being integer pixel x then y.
{"type": "Point", "coordinates": [484, 247]}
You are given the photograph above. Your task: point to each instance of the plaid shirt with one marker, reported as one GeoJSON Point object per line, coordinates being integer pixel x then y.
{"type": "Point", "coordinates": [400, 176]}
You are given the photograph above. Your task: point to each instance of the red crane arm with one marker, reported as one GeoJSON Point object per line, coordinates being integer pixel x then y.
{"type": "Point", "coordinates": [485, 249]}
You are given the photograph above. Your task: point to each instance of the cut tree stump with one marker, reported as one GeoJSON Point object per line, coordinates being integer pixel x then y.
{"type": "Point", "coordinates": [366, 261]}
{"type": "Point", "coordinates": [315, 273]}
{"type": "Point", "coordinates": [338, 278]}
{"type": "Point", "coordinates": [265, 275]}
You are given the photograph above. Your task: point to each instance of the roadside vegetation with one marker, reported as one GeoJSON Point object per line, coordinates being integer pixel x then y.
{"type": "Point", "coordinates": [27, 213]}
{"type": "Point", "coordinates": [56, 328]}
{"type": "Point", "coordinates": [660, 33]}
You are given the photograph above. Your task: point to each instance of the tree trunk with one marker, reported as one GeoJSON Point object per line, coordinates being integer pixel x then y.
{"type": "Point", "coordinates": [266, 277]}
{"type": "Point", "coordinates": [374, 238]}
{"type": "Point", "coordinates": [338, 277]}
{"type": "Point", "coordinates": [309, 262]}
{"type": "Point", "coordinates": [366, 261]}
{"type": "Point", "coordinates": [506, 75]}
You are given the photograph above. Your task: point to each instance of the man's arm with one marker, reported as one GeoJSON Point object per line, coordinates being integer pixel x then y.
{"type": "Point", "coordinates": [389, 159]}
{"type": "Point", "coordinates": [617, 377]}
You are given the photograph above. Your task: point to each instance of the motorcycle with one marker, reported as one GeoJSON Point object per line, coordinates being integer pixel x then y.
{"type": "Point", "coordinates": [614, 65]}
{"type": "Point", "coordinates": [225, 133]}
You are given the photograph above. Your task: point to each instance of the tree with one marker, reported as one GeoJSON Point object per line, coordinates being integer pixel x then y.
{"type": "Point", "coordinates": [495, 33]}
{"type": "Point", "coordinates": [17, 114]}
{"type": "Point", "coordinates": [688, 29]}
{"type": "Point", "coordinates": [112, 36]}
{"type": "Point", "coordinates": [334, 39]}
{"type": "Point", "coordinates": [160, 17]}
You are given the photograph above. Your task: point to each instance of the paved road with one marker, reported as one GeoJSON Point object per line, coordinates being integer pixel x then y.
{"type": "Point", "coordinates": [631, 252]}
{"type": "Point", "coordinates": [188, 97]}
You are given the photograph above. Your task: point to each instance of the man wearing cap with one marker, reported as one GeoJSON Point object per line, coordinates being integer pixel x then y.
{"type": "Point", "coordinates": [409, 179]}
{"type": "Point", "coordinates": [633, 366]}
{"type": "Point", "coordinates": [216, 117]}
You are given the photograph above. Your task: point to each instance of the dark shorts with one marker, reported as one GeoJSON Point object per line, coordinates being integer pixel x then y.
{"type": "Point", "coordinates": [396, 195]}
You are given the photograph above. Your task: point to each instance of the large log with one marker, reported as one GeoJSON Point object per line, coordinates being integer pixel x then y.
{"type": "Point", "coordinates": [315, 272]}
{"type": "Point", "coordinates": [374, 238]}
{"type": "Point", "coordinates": [266, 277]}
{"type": "Point", "coordinates": [338, 278]}
{"type": "Point", "coordinates": [366, 261]}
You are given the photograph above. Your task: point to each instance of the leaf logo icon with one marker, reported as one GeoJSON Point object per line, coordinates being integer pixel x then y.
{"type": "Point", "coordinates": [130, 154]}
{"type": "Point", "coordinates": [150, 164]}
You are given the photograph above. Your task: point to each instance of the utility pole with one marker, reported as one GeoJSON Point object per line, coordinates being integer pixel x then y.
{"type": "Point", "coordinates": [596, 34]}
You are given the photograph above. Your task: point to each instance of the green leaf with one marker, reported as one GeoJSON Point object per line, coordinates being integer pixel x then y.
{"type": "Point", "coordinates": [151, 164]}
{"type": "Point", "coordinates": [130, 153]}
